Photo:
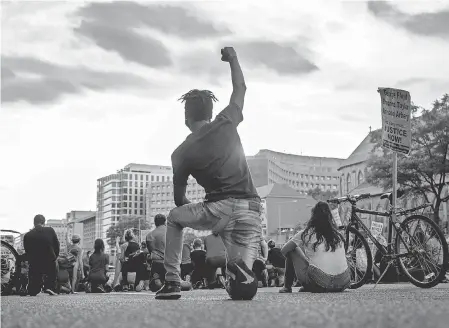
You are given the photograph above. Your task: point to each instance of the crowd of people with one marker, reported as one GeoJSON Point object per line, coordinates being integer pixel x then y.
{"type": "Point", "coordinates": [213, 154]}
{"type": "Point", "coordinates": [313, 259]}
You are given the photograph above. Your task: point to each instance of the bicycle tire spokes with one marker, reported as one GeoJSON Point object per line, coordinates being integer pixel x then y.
{"type": "Point", "coordinates": [425, 251]}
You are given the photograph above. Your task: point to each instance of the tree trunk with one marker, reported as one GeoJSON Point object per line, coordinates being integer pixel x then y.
{"type": "Point", "coordinates": [436, 214]}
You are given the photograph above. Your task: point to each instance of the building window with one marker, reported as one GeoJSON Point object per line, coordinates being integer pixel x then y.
{"type": "Point", "coordinates": [152, 178]}
{"type": "Point", "coordinates": [163, 179]}
{"type": "Point", "coordinates": [146, 178]}
{"type": "Point", "coordinates": [141, 177]}
{"type": "Point", "coordinates": [359, 178]}
{"type": "Point", "coordinates": [157, 179]}
{"type": "Point", "coordinates": [135, 212]}
{"type": "Point", "coordinates": [348, 183]}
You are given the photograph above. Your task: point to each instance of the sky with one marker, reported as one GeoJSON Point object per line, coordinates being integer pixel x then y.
{"type": "Point", "coordinates": [89, 87]}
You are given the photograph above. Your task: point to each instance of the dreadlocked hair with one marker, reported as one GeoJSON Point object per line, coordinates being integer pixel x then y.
{"type": "Point", "coordinates": [198, 104]}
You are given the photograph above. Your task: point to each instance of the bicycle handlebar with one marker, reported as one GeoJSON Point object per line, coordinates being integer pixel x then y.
{"type": "Point", "coordinates": [349, 198]}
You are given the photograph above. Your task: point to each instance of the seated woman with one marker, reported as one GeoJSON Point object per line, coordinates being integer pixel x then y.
{"type": "Point", "coordinates": [98, 264]}
{"type": "Point", "coordinates": [317, 255]}
{"type": "Point", "coordinates": [133, 262]}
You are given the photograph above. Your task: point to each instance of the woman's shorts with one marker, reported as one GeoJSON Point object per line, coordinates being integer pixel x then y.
{"type": "Point", "coordinates": [321, 282]}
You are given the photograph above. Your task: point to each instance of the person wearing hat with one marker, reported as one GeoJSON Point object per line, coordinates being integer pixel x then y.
{"type": "Point", "coordinates": [41, 245]}
{"type": "Point", "coordinates": [77, 273]}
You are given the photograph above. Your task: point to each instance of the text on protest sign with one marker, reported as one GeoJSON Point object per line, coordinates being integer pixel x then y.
{"type": "Point", "coordinates": [396, 124]}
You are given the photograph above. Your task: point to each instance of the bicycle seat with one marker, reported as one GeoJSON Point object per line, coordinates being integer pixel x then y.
{"type": "Point", "coordinates": [386, 195]}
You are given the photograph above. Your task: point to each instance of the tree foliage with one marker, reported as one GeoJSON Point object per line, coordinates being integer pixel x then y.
{"type": "Point", "coordinates": [321, 195]}
{"type": "Point", "coordinates": [129, 222]}
{"type": "Point", "coordinates": [424, 172]}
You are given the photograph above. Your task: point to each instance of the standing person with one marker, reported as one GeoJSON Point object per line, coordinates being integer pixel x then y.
{"type": "Point", "coordinates": [42, 248]}
{"type": "Point", "coordinates": [156, 247]}
{"type": "Point", "coordinates": [317, 255]}
{"type": "Point", "coordinates": [213, 154]}
{"type": "Point", "coordinates": [77, 273]}
{"type": "Point", "coordinates": [98, 263]}
{"type": "Point", "coordinates": [277, 260]}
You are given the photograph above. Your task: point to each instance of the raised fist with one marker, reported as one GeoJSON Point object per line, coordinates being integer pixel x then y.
{"type": "Point", "coordinates": [227, 54]}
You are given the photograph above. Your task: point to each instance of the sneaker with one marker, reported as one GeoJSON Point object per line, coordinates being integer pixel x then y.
{"type": "Point", "coordinates": [170, 291]}
{"type": "Point", "coordinates": [242, 282]}
{"type": "Point", "coordinates": [100, 289]}
{"type": "Point", "coordinates": [284, 290]}
{"type": "Point", "coordinates": [140, 286]}
{"type": "Point", "coordinates": [125, 288]}
{"type": "Point", "coordinates": [23, 292]}
{"type": "Point", "coordinates": [50, 292]}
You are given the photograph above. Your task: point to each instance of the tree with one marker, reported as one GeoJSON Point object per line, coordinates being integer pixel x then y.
{"type": "Point", "coordinates": [320, 195]}
{"type": "Point", "coordinates": [127, 222]}
{"type": "Point", "coordinates": [425, 170]}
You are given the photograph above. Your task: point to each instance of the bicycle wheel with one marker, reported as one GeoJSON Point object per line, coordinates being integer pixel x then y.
{"type": "Point", "coordinates": [359, 257]}
{"type": "Point", "coordinates": [425, 249]}
{"type": "Point", "coordinates": [10, 268]}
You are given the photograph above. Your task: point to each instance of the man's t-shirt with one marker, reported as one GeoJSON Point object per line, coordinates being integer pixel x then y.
{"type": "Point", "coordinates": [156, 243]}
{"type": "Point", "coordinates": [198, 258]}
{"type": "Point", "coordinates": [276, 258]}
{"type": "Point", "coordinates": [214, 156]}
{"type": "Point", "coordinates": [41, 245]}
{"type": "Point", "coordinates": [329, 262]}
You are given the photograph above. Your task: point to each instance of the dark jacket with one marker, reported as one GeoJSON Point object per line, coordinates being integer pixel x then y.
{"type": "Point", "coordinates": [41, 245]}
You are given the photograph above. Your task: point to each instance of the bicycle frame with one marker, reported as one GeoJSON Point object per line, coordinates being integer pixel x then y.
{"type": "Point", "coordinates": [356, 222]}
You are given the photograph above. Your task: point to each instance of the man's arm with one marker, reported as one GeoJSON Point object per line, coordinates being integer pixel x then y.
{"type": "Point", "coordinates": [179, 193]}
{"type": "Point", "coordinates": [238, 81]}
{"type": "Point", "coordinates": [264, 246]}
{"type": "Point", "coordinates": [238, 84]}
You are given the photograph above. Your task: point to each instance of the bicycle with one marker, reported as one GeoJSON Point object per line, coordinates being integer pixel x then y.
{"type": "Point", "coordinates": [10, 267]}
{"type": "Point", "coordinates": [410, 253]}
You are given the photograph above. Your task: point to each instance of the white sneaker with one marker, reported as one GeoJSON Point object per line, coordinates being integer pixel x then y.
{"type": "Point", "coordinates": [140, 286]}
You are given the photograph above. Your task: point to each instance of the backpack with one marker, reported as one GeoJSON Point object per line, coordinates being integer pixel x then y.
{"type": "Point", "coordinates": [66, 261]}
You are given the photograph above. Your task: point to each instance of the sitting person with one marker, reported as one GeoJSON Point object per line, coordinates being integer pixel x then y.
{"type": "Point", "coordinates": [317, 255]}
{"type": "Point", "coordinates": [120, 246]}
{"type": "Point", "coordinates": [259, 265]}
{"type": "Point", "coordinates": [186, 263]}
{"type": "Point", "coordinates": [216, 260]}
{"type": "Point", "coordinates": [133, 262]}
{"type": "Point", "coordinates": [277, 262]}
{"type": "Point", "coordinates": [156, 248]}
{"type": "Point", "coordinates": [200, 271]}
{"type": "Point", "coordinates": [98, 264]}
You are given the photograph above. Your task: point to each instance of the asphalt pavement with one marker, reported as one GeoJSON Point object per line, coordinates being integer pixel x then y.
{"type": "Point", "coordinates": [395, 305]}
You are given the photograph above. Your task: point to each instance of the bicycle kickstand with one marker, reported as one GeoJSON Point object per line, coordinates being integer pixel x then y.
{"type": "Point", "coordinates": [383, 274]}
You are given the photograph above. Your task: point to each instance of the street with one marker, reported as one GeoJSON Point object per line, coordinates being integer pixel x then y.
{"type": "Point", "coordinates": [393, 305]}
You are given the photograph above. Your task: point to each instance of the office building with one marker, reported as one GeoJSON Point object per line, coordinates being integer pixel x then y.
{"type": "Point", "coordinates": [123, 194]}
{"type": "Point", "coordinates": [301, 173]}
{"type": "Point", "coordinates": [60, 227]}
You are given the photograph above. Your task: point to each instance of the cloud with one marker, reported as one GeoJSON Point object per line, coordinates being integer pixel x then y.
{"type": "Point", "coordinates": [280, 57]}
{"type": "Point", "coordinates": [119, 27]}
{"type": "Point", "coordinates": [127, 43]}
{"type": "Point", "coordinates": [168, 19]}
{"type": "Point", "coordinates": [426, 24]}
{"type": "Point", "coordinates": [36, 81]}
